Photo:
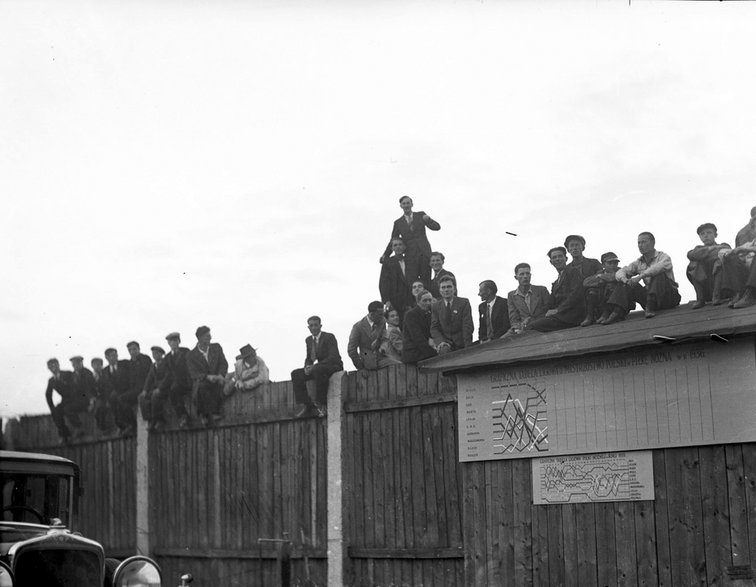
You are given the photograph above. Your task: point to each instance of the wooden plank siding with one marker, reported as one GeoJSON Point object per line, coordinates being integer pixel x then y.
{"type": "Point", "coordinates": [404, 479]}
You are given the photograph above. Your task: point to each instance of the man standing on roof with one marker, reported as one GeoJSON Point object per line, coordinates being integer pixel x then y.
{"type": "Point", "coordinates": [654, 269]}
{"type": "Point", "coordinates": [566, 303]}
{"type": "Point", "coordinates": [394, 283]}
{"type": "Point", "coordinates": [411, 228]}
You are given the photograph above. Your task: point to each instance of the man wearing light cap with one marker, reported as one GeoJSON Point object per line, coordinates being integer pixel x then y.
{"type": "Point", "coordinates": [598, 290]}
{"type": "Point", "coordinates": [71, 402]}
{"type": "Point", "coordinates": [178, 382]}
{"type": "Point", "coordinates": [250, 372]}
{"type": "Point", "coordinates": [575, 245]}
{"type": "Point", "coordinates": [153, 396]}
{"type": "Point", "coordinates": [207, 368]}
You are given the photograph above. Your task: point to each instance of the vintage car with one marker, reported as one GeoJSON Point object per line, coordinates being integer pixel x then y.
{"type": "Point", "coordinates": [39, 544]}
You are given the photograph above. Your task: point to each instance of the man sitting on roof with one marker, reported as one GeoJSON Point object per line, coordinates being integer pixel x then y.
{"type": "Point", "coordinates": [739, 275]}
{"type": "Point", "coordinates": [654, 268]}
{"type": "Point", "coordinates": [451, 319]}
{"type": "Point", "coordinates": [566, 303]}
{"type": "Point", "coordinates": [598, 290]}
{"type": "Point", "coordinates": [705, 267]}
{"type": "Point", "coordinates": [575, 245]}
{"type": "Point", "coordinates": [527, 302]}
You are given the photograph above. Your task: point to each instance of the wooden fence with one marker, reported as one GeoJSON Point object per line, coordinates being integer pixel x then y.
{"type": "Point", "coordinates": [413, 515]}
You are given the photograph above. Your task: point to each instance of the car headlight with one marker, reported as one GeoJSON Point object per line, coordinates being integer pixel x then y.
{"type": "Point", "coordinates": [137, 571]}
{"type": "Point", "coordinates": [6, 576]}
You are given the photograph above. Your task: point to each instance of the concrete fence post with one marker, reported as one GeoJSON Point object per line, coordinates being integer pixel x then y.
{"type": "Point", "coordinates": [335, 534]}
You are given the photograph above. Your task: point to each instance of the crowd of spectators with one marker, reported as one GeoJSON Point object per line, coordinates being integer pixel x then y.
{"type": "Point", "coordinates": [419, 316]}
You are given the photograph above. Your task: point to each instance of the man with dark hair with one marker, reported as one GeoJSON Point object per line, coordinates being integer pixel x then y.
{"type": "Point", "coordinates": [526, 303]}
{"type": "Point", "coordinates": [126, 403]}
{"type": "Point", "coordinates": [598, 289]}
{"type": "Point", "coordinates": [654, 268]}
{"type": "Point", "coordinates": [365, 340]}
{"type": "Point", "coordinates": [416, 333]}
{"type": "Point", "coordinates": [155, 391]}
{"type": "Point", "coordinates": [451, 319]}
{"type": "Point", "coordinates": [411, 228]}
{"type": "Point", "coordinates": [119, 380]}
{"type": "Point", "coordinates": [394, 284]}
{"type": "Point", "coordinates": [102, 390]}
{"type": "Point", "coordinates": [705, 268]}
{"type": "Point", "coordinates": [493, 313]}
{"type": "Point", "coordinates": [575, 245]}
{"type": "Point", "coordinates": [566, 302]}
{"type": "Point", "coordinates": [437, 261]}
{"type": "Point", "coordinates": [178, 382]}
{"type": "Point", "coordinates": [72, 401]}
{"type": "Point", "coordinates": [82, 377]}
{"type": "Point", "coordinates": [322, 359]}
{"type": "Point", "coordinates": [207, 367]}
{"type": "Point", "coordinates": [748, 232]}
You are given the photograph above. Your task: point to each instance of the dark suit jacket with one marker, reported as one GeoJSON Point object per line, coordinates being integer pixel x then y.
{"type": "Point", "coordinates": [102, 386]}
{"type": "Point", "coordinates": [139, 368]}
{"type": "Point", "coordinates": [327, 352]}
{"type": "Point", "coordinates": [499, 319]}
{"type": "Point", "coordinates": [394, 286]}
{"type": "Point", "coordinates": [64, 385]}
{"type": "Point", "coordinates": [587, 267]}
{"type": "Point", "coordinates": [177, 379]}
{"type": "Point", "coordinates": [455, 328]}
{"type": "Point", "coordinates": [415, 335]}
{"type": "Point", "coordinates": [519, 314]}
{"type": "Point", "coordinates": [119, 382]}
{"type": "Point", "coordinates": [567, 296]}
{"type": "Point", "coordinates": [199, 368]}
{"type": "Point", "coordinates": [84, 383]}
{"type": "Point", "coordinates": [413, 235]}
{"type": "Point", "coordinates": [434, 283]}
{"type": "Point", "coordinates": [158, 375]}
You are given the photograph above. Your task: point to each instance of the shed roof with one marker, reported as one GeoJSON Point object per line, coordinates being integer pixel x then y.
{"type": "Point", "coordinates": [681, 324]}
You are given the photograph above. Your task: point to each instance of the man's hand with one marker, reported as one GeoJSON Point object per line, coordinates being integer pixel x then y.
{"type": "Point", "coordinates": [308, 369]}
{"type": "Point", "coordinates": [635, 280]}
{"type": "Point", "coordinates": [443, 348]}
{"type": "Point", "coordinates": [364, 373]}
{"type": "Point", "coordinates": [551, 312]}
{"type": "Point", "coordinates": [382, 260]}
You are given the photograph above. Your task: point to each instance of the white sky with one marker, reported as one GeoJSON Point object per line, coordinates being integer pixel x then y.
{"type": "Point", "coordinates": [168, 164]}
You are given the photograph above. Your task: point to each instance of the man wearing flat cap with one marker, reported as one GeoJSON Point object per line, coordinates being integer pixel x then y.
{"type": "Point", "coordinates": [71, 403]}
{"type": "Point", "coordinates": [207, 368]}
{"type": "Point", "coordinates": [598, 290]}
{"type": "Point", "coordinates": [117, 373]}
{"type": "Point", "coordinates": [250, 372]}
{"type": "Point", "coordinates": [155, 391]}
{"type": "Point", "coordinates": [178, 382]}
{"type": "Point", "coordinates": [575, 245]}
{"type": "Point", "coordinates": [83, 379]}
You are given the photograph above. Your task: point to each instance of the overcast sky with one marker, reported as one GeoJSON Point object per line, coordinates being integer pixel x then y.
{"type": "Point", "coordinates": [169, 164]}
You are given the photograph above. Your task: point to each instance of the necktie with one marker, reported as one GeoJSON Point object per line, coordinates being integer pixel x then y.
{"type": "Point", "coordinates": [448, 313]}
{"type": "Point", "coordinates": [314, 353]}
{"type": "Point", "coordinates": [489, 324]}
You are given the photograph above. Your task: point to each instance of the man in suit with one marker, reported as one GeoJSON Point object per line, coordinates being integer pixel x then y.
{"type": "Point", "coordinates": [451, 319]}
{"type": "Point", "coordinates": [493, 312]}
{"type": "Point", "coordinates": [177, 384]}
{"type": "Point", "coordinates": [102, 390]}
{"type": "Point", "coordinates": [365, 340]}
{"type": "Point", "coordinates": [393, 284]}
{"type": "Point", "coordinates": [207, 366]}
{"type": "Point", "coordinates": [72, 401]}
{"type": "Point", "coordinates": [416, 333]}
{"type": "Point", "coordinates": [152, 399]}
{"type": "Point", "coordinates": [322, 359]}
{"type": "Point", "coordinates": [411, 228]}
{"type": "Point", "coordinates": [437, 260]}
{"type": "Point", "coordinates": [566, 303]}
{"type": "Point", "coordinates": [526, 303]}
{"type": "Point", "coordinates": [126, 403]}
{"type": "Point", "coordinates": [117, 373]}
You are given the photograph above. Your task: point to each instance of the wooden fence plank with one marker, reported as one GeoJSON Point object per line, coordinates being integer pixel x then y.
{"type": "Point", "coordinates": [716, 520]}
{"type": "Point", "coordinates": [606, 548]}
{"type": "Point", "coordinates": [741, 552]}
{"type": "Point", "coordinates": [624, 523]}
{"type": "Point", "coordinates": [585, 537]}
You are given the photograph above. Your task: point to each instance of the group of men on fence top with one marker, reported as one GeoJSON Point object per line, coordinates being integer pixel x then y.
{"type": "Point", "coordinates": [418, 316]}
{"type": "Point", "coordinates": [192, 381]}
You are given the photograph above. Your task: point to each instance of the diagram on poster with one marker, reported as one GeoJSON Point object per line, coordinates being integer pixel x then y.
{"type": "Point", "coordinates": [593, 478]}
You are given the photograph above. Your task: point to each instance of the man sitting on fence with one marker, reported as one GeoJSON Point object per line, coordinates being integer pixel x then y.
{"type": "Point", "coordinates": [72, 402]}
{"type": "Point", "coordinates": [117, 373]}
{"type": "Point", "coordinates": [207, 367]}
{"type": "Point", "coordinates": [250, 372]}
{"type": "Point", "coordinates": [155, 391]}
{"type": "Point", "coordinates": [322, 359]}
{"type": "Point", "coordinates": [179, 382]}
{"type": "Point", "coordinates": [416, 336]}
{"type": "Point", "coordinates": [451, 319]}
{"type": "Point", "coordinates": [365, 340]}
{"type": "Point", "coordinates": [102, 390]}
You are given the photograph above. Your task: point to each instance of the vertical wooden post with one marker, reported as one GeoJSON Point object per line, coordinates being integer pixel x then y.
{"type": "Point", "coordinates": [335, 534]}
{"type": "Point", "coordinates": [142, 489]}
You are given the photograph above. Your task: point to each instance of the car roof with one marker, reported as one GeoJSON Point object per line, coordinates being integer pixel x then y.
{"type": "Point", "coordinates": [29, 462]}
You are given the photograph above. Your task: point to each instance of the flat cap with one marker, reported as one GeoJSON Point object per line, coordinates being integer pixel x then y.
{"type": "Point", "coordinates": [172, 336]}
{"type": "Point", "coordinates": [609, 256]}
{"type": "Point", "coordinates": [77, 358]}
{"type": "Point", "coordinates": [157, 349]}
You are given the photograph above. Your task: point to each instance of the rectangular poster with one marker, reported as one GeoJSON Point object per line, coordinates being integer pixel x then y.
{"type": "Point", "coordinates": [593, 478]}
{"type": "Point", "coordinates": [668, 396]}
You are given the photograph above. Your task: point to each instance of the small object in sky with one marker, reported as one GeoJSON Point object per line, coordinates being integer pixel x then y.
{"type": "Point", "coordinates": [512, 233]}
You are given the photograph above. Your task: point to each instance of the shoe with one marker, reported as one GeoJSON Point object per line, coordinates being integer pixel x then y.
{"type": "Point", "coordinates": [320, 411]}
{"type": "Point", "coordinates": [216, 419]}
{"type": "Point", "coordinates": [615, 316]}
{"type": "Point", "coordinates": [204, 420]}
{"type": "Point", "coordinates": [158, 426]}
{"type": "Point", "coordinates": [745, 300]}
{"type": "Point", "coordinates": [306, 411]}
{"type": "Point", "coordinates": [698, 304]}
{"type": "Point", "coordinates": [604, 317]}
{"type": "Point", "coordinates": [183, 422]}
{"type": "Point", "coordinates": [588, 320]}
{"type": "Point", "coordinates": [650, 313]}
{"type": "Point", "coordinates": [719, 301]}
{"type": "Point", "coordinates": [734, 300]}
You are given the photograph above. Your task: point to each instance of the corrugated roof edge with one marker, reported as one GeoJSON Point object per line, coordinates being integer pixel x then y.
{"type": "Point", "coordinates": [682, 324]}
